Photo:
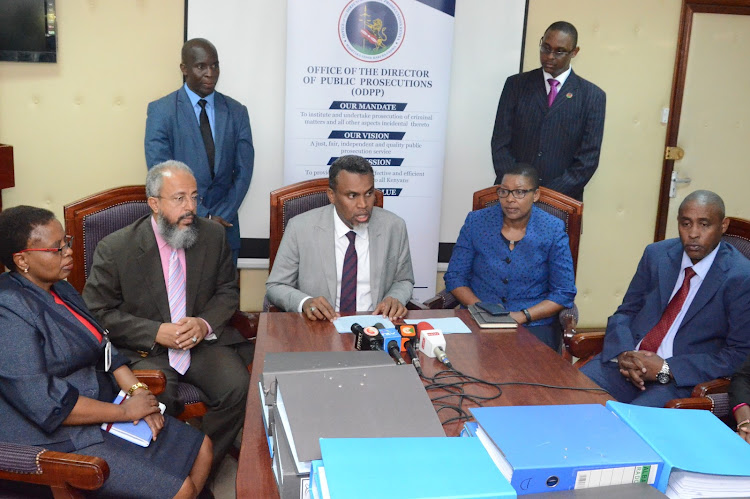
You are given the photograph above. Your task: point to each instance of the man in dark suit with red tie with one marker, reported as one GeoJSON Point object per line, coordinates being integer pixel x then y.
{"type": "Point", "coordinates": [551, 118]}
{"type": "Point", "coordinates": [685, 318]}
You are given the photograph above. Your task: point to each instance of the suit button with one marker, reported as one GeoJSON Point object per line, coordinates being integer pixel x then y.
{"type": "Point", "coordinates": [56, 411]}
{"type": "Point", "coordinates": [507, 259]}
{"type": "Point", "coordinates": [503, 299]}
{"type": "Point", "coordinates": [505, 281]}
{"type": "Point", "coordinates": [539, 154]}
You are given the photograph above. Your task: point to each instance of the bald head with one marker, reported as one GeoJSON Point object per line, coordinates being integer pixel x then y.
{"type": "Point", "coordinates": [190, 45]}
{"type": "Point", "coordinates": [704, 198]}
{"type": "Point", "coordinates": [200, 66]}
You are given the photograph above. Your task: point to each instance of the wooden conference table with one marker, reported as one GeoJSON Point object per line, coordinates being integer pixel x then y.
{"type": "Point", "coordinates": [493, 356]}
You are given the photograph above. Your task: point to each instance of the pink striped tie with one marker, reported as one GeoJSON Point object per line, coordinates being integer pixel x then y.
{"type": "Point", "coordinates": [552, 91]}
{"type": "Point", "coordinates": [348, 298]}
{"type": "Point", "coordinates": [178, 359]}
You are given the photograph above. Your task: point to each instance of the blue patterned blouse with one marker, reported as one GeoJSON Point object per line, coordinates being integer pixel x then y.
{"type": "Point", "coordinates": [539, 268]}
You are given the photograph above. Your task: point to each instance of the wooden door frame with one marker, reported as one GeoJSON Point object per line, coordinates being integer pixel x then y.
{"type": "Point", "coordinates": [689, 7]}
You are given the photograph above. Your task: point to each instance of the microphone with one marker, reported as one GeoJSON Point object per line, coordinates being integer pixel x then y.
{"type": "Point", "coordinates": [391, 342]}
{"type": "Point", "coordinates": [366, 338]}
{"type": "Point", "coordinates": [408, 340]}
{"type": "Point", "coordinates": [432, 343]}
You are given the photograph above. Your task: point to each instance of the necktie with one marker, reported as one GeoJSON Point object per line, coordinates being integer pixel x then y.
{"type": "Point", "coordinates": [653, 339]}
{"type": "Point", "coordinates": [552, 91]}
{"type": "Point", "coordinates": [348, 299]}
{"type": "Point", "coordinates": [178, 359]}
{"type": "Point", "coordinates": [208, 139]}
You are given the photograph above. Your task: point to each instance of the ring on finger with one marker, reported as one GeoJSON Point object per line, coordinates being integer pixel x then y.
{"type": "Point", "coordinates": [313, 309]}
{"type": "Point", "coordinates": [195, 339]}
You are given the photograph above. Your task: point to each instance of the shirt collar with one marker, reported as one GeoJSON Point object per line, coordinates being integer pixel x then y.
{"type": "Point", "coordinates": [160, 241]}
{"type": "Point", "coordinates": [561, 77]}
{"type": "Point", "coordinates": [702, 267]}
{"type": "Point", "coordinates": [340, 229]}
{"type": "Point", "coordinates": [194, 98]}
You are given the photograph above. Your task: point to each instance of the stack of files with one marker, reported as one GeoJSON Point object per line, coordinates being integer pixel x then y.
{"type": "Point", "coordinates": [406, 468]}
{"type": "Point", "coordinates": [371, 401]}
{"type": "Point", "coordinates": [486, 320]}
{"type": "Point", "coordinates": [702, 456]}
{"type": "Point", "coordinates": [564, 447]}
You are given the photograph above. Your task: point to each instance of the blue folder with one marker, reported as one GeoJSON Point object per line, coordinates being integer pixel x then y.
{"type": "Point", "coordinates": [689, 440]}
{"type": "Point", "coordinates": [564, 447]}
{"type": "Point", "coordinates": [411, 468]}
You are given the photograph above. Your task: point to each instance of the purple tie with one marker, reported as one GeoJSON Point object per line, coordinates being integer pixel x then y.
{"type": "Point", "coordinates": [348, 299]}
{"type": "Point", "coordinates": [552, 91]}
{"type": "Point", "coordinates": [178, 359]}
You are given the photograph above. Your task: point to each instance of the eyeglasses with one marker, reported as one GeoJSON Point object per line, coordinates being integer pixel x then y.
{"type": "Point", "coordinates": [517, 193]}
{"type": "Point", "coordinates": [180, 200]}
{"type": "Point", "coordinates": [558, 54]}
{"type": "Point", "coordinates": [68, 243]}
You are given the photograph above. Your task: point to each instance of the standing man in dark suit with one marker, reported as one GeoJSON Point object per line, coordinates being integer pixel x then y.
{"type": "Point", "coordinates": [208, 131]}
{"type": "Point", "coordinates": [551, 118]}
{"type": "Point", "coordinates": [165, 287]}
{"type": "Point", "coordinates": [685, 318]}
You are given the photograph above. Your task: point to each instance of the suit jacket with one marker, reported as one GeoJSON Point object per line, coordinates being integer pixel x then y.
{"type": "Point", "coordinates": [173, 132]}
{"type": "Point", "coordinates": [562, 141]}
{"type": "Point", "coordinates": [305, 264]}
{"type": "Point", "coordinates": [127, 293]}
{"type": "Point", "coordinates": [47, 359]}
{"type": "Point", "coordinates": [714, 336]}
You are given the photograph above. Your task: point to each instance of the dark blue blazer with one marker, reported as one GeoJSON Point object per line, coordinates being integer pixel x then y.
{"type": "Point", "coordinates": [713, 338]}
{"type": "Point", "coordinates": [173, 132]}
{"type": "Point", "coordinates": [47, 359]}
{"type": "Point", "coordinates": [562, 141]}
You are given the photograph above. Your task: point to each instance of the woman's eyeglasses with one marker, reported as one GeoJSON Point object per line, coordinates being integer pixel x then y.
{"type": "Point", "coordinates": [68, 243]}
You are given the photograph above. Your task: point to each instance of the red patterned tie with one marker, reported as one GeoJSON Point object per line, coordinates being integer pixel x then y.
{"type": "Point", "coordinates": [348, 299]}
{"type": "Point", "coordinates": [653, 339]}
{"type": "Point", "coordinates": [552, 91]}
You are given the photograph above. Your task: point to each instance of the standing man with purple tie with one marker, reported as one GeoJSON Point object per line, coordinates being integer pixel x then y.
{"type": "Point", "coordinates": [208, 131]}
{"type": "Point", "coordinates": [349, 256]}
{"type": "Point", "coordinates": [685, 318]}
{"type": "Point", "coordinates": [551, 118]}
{"type": "Point", "coordinates": [165, 287]}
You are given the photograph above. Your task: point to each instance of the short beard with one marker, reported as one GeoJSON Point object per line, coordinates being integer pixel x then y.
{"type": "Point", "coordinates": [176, 237]}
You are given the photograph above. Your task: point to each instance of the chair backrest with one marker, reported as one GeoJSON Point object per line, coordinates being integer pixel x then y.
{"type": "Point", "coordinates": [94, 217]}
{"type": "Point", "coordinates": [738, 235]}
{"type": "Point", "coordinates": [294, 199]}
{"type": "Point", "coordinates": [565, 208]}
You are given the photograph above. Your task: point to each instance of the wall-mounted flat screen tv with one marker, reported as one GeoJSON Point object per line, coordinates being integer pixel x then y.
{"type": "Point", "coordinates": [28, 31]}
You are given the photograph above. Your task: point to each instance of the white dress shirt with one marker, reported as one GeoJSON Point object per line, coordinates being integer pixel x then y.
{"type": "Point", "coordinates": [561, 78]}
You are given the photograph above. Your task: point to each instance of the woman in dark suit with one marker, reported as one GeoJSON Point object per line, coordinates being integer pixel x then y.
{"type": "Point", "coordinates": [518, 255]}
{"type": "Point", "coordinates": [57, 382]}
{"type": "Point", "coordinates": [739, 398]}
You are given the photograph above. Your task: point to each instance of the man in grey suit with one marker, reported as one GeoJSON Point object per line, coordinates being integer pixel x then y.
{"type": "Point", "coordinates": [685, 318]}
{"type": "Point", "coordinates": [166, 285]}
{"type": "Point", "coordinates": [551, 118]}
{"type": "Point", "coordinates": [208, 131]}
{"type": "Point", "coordinates": [321, 248]}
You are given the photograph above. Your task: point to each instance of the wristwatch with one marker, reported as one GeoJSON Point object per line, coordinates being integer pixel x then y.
{"type": "Point", "coordinates": [663, 376]}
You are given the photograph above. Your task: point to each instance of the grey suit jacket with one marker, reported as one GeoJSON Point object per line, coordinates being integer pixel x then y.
{"type": "Point", "coordinates": [562, 141]}
{"type": "Point", "coordinates": [305, 264]}
{"type": "Point", "coordinates": [173, 132]}
{"type": "Point", "coordinates": [127, 293]}
{"type": "Point", "coordinates": [714, 336]}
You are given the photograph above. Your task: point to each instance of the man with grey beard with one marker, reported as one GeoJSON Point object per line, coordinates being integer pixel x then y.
{"type": "Point", "coordinates": [165, 287]}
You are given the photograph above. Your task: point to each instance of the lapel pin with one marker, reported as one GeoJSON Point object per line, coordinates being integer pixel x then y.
{"type": "Point", "coordinates": [569, 95]}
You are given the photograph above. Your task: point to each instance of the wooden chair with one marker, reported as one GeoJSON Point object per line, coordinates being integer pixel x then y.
{"type": "Point", "coordinates": [291, 200]}
{"type": "Point", "coordinates": [66, 474]}
{"type": "Point", "coordinates": [709, 395]}
{"type": "Point", "coordinates": [563, 207]}
{"type": "Point", "coordinates": [94, 217]}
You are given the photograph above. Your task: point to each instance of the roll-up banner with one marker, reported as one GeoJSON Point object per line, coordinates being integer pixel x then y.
{"type": "Point", "coordinates": [371, 78]}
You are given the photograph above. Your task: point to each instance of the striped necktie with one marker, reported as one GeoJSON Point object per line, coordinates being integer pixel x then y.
{"type": "Point", "coordinates": [178, 359]}
{"type": "Point", "coordinates": [653, 339]}
{"type": "Point", "coordinates": [348, 299]}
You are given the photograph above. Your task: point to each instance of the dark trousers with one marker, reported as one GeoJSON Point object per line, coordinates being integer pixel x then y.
{"type": "Point", "coordinates": [607, 375]}
{"type": "Point", "coordinates": [221, 374]}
